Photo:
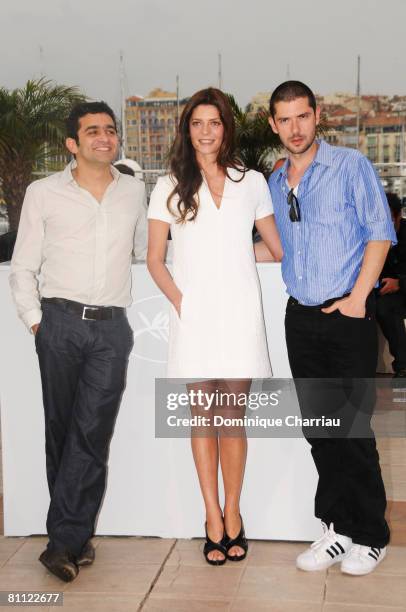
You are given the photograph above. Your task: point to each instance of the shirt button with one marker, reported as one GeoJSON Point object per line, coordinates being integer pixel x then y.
{"type": "Point", "coordinates": [298, 252]}
{"type": "Point", "coordinates": [300, 277]}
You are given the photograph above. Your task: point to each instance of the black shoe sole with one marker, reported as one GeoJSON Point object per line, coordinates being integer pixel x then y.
{"type": "Point", "coordinates": [84, 561]}
{"type": "Point", "coordinates": [87, 557]}
{"type": "Point", "coordinates": [64, 573]}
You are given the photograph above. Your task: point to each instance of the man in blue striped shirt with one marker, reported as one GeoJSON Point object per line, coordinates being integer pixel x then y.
{"type": "Point", "coordinates": [335, 228]}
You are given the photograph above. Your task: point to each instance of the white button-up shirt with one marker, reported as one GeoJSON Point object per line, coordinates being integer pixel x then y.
{"type": "Point", "coordinates": [71, 246]}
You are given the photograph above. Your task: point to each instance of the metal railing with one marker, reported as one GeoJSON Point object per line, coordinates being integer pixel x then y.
{"type": "Point", "coordinates": [150, 178]}
{"type": "Point", "coordinates": [392, 175]}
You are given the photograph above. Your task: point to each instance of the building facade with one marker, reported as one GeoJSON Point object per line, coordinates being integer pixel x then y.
{"type": "Point", "coordinates": [151, 125]}
{"type": "Point", "coordinates": [383, 141]}
{"type": "Point", "coordinates": [374, 124]}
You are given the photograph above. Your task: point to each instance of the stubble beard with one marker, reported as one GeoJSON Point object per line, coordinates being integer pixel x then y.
{"type": "Point", "coordinates": [305, 148]}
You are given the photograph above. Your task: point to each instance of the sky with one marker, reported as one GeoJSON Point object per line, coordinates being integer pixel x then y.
{"type": "Point", "coordinates": [78, 42]}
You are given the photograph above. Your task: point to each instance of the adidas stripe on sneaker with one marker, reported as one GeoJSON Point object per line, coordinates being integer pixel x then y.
{"type": "Point", "coordinates": [362, 560]}
{"type": "Point", "coordinates": [329, 549]}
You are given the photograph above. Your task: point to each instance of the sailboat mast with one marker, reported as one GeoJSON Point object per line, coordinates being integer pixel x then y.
{"type": "Point", "coordinates": [358, 99]}
{"type": "Point", "coordinates": [123, 119]}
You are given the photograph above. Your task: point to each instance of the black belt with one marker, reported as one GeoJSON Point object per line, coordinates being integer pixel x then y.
{"type": "Point", "coordinates": [370, 302]}
{"type": "Point", "coordinates": [87, 313]}
{"type": "Point", "coordinates": [294, 302]}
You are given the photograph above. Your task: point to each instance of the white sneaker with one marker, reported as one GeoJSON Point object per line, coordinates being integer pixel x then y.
{"type": "Point", "coordinates": [329, 549]}
{"type": "Point", "coordinates": [362, 560]}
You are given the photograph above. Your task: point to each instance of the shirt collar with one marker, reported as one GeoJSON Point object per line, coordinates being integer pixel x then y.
{"type": "Point", "coordinates": [67, 176]}
{"type": "Point", "coordinates": [283, 170]}
{"type": "Point", "coordinates": [324, 157]}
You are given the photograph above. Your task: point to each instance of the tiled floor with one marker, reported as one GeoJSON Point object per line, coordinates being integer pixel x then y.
{"type": "Point", "coordinates": [159, 575]}
{"type": "Point", "coordinates": [396, 517]}
{"type": "Point", "coordinates": [152, 574]}
{"type": "Point", "coordinates": [156, 575]}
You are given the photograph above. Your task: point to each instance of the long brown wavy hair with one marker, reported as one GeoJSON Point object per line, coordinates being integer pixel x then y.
{"type": "Point", "coordinates": [184, 169]}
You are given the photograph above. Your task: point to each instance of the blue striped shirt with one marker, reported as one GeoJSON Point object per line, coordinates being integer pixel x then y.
{"type": "Point", "coordinates": [343, 206]}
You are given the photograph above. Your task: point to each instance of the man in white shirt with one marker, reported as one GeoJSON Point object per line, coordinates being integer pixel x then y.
{"type": "Point", "coordinates": [78, 231]}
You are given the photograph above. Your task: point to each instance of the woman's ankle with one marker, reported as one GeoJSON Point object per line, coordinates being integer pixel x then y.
{"type": "Point", "coordinates": [214, 515]}
{"type": "Point", "coordinates": [231, 511]}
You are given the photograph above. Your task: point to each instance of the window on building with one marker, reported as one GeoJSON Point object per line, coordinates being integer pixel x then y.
{"type": "Point", "coordinates": [397, 154]}
{"type": "Point", "coordinates": [372, 154]}
{"type": "Point", "coordinates": [386, 154]}
{"type": "Point", "coordinates": [391, 128]}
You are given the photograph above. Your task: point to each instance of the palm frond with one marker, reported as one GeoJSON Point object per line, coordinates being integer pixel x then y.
{"type": "Point", "coordinates": [255, 141]}
{"type": "Point", "coordinates": [32, 132]}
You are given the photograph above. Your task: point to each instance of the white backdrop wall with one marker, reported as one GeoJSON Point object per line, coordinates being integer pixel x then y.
{"type": "Point", "coordinates": [152, 485]}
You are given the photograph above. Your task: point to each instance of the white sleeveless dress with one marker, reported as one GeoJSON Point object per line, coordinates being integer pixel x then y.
{"type": "Point", "coordinates": [221, 330]}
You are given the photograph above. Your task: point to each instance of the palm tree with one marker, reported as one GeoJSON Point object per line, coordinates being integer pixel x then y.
{"type": "Point", "coordinates": [31, 134]}
{"type": "Point", "coordinates": [255, 140]}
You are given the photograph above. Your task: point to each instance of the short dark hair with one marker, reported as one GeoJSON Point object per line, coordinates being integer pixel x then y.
{"type": "Point", "coordinates": [290, 90]}
{"type": "Point", "coordinates": [394, 202]}
{"type": "Point", "coordinates": [85, 108]}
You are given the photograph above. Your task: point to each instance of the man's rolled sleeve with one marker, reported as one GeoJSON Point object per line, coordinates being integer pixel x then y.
{"type": "Point", "coordinates": [32, 317]}
{"type": "Point", "coordinates": [371, 204]}
{"type": "Point", "coordinates": [26, 261]}
{"type": "Point", "coordinates": [379, 231]}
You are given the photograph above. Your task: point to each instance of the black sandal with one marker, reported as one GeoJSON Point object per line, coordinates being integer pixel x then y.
{"type": "Point", "coordinates": [240, 541]}
{"type": "Point", "coordinates": [210, 546]}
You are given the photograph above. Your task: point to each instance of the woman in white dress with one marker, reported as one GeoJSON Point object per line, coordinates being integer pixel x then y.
{"type": "Point", "coordinates": [210, 202]}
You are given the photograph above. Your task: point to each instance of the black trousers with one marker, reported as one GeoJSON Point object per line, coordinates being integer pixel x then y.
{"type": "Point", "coordinates": [390, 314]}
{"type": "Point", "coordinates": [83, 369]}
{"type": "Point", "coordinates": [350, 491]}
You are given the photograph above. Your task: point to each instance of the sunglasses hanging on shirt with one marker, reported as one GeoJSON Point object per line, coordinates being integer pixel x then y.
{"type": "Point", "coordinates": [294, 208]}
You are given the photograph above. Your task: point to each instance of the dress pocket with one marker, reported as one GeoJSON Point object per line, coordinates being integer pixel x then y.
{"type": "Point", "coordinates": [183, 305]}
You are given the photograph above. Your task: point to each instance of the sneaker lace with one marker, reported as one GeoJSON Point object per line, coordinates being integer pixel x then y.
{"type": "Point", "coordinates": [329, 535]}
{"type": "Point", "coordinates": [357, 550]}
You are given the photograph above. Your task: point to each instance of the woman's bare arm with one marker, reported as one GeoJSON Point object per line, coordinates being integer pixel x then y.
{"type": "Point", "coordinates": [270, 235]}
{"type": "Point", "coordinates": [157, 243]}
